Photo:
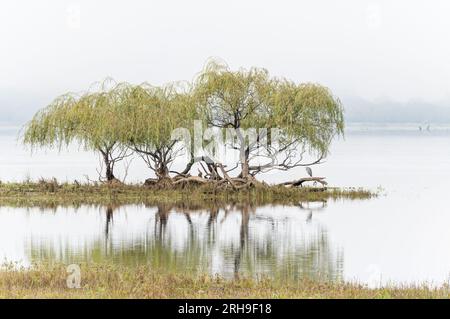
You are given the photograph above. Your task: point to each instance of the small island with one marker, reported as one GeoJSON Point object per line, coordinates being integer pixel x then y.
{"type": "Point", "coordinates": [224, 129]}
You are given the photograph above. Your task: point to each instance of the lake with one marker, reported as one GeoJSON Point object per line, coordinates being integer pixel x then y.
{"type": "Point", "coordinates": [400, 237]}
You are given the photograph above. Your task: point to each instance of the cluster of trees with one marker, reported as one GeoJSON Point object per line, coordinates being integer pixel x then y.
{"type": "Point", "coordinates": [117, 120]}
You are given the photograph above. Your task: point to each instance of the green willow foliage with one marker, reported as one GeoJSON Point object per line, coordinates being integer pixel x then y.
{"type": "Point", "coordinates": [307, 112]}
{"type": "Point", "coordinates": [53, 126]}
{"type": "Point", "coordinates": [89, 119]}
{"type": "Point", "coordinates": [149, 116]}
{"type": "Point", "coordinates": [309, 115]}
{"type": "Point", "coordinates": [117, 118]}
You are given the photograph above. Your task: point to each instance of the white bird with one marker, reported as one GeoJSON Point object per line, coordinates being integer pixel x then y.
{"type": "Point", "coordinates": [309, 171]}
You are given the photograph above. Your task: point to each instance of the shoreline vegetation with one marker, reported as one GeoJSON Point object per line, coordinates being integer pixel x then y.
{"type": "Point", "coordinates": [115, 281]}
{"type": "Point", "coordinates": [53, 193]}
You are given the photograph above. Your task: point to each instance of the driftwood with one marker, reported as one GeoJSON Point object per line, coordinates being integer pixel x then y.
{"type": "Point", "coordinates": [299, 182]}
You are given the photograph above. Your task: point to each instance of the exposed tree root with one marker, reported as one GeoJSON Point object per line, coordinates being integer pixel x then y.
{"type": "Point", "coordinates": [219, 182]}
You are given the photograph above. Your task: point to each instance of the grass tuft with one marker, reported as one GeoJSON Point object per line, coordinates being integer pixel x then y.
{"type": "Point", "coordinates": [115, 281]}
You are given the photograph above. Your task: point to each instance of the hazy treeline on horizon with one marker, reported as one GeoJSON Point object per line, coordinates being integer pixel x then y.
{"type": "Point", "coordinates": [17, 109]}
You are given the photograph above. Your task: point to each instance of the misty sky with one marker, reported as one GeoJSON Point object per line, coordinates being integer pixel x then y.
{"type": "Point", "coordinates": [397, 50]}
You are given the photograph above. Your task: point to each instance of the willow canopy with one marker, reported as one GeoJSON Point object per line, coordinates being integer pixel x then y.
{"type": "Point", "coordinates": [89, 119]}
{"type": "Point", "coordinates": [308, 116]}
{"type": "Point", "coordinates": [149, 119]}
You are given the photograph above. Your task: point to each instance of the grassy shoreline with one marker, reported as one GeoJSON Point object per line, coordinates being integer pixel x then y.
{"type": "Point", "coordinates": [113, 281]}
{"type": "Point", "coordinates": [50, 193]}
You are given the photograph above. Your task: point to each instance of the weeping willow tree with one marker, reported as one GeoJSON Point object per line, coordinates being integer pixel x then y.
{"type": "Point", "coordinates": [89, 119]}
{"type": "Point", "coordinates": [275, 123]}
{"type": "Point", "coordinates": [304, 117]}
{"type": "Point", "coordinates": [116, 121]}
{"type": "Point", "coordinates": [149, 120]}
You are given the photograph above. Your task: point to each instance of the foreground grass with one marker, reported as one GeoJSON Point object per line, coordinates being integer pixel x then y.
{"type": "Point", "coordinates": [111, 281]}
{"type": "Point", "coordinates": [50, 193]}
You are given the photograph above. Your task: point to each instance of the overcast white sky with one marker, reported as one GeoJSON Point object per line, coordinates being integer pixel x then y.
{"type": "Point", "coordinates": [371, 49]}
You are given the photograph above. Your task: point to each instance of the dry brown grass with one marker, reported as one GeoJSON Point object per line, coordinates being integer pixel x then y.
{"type": "Point", "coordinates": [111, 281]}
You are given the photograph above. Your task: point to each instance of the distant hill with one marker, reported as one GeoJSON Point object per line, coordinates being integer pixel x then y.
{"type": "Point", "coordinates": [360, 110]}
{"type": "Point", "coordinates": [16, 108]}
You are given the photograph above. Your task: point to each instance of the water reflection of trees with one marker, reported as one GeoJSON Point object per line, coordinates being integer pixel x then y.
{"type": "Point", "coordinates": [234, 240]}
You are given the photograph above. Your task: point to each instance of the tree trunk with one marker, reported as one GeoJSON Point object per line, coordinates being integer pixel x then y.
{"type": "Point", "coordinates": [244, 167]}
{"type": "Point", "coordinates": [109, 170]}
{"type": "Point", "coordinates": [163, 171]}
{"type": "Point", "coordinates": [244, 164]}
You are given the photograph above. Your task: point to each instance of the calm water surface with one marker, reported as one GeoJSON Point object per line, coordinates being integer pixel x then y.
{"type": "Point", "coordinates": [402, 236]}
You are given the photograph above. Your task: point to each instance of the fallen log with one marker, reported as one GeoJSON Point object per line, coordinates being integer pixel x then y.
{"type": "Point", "coordinates": [299, 182]}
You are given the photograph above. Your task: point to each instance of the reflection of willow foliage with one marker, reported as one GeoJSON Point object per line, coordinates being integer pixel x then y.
{"type": "Point", "coordinates": [308, 114]}
{"type": "Point", "coordinates": [242, 253]}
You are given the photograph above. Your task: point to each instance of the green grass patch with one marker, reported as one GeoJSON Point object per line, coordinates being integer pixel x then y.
{"type": "Point", "coordinates": [52, 193]}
